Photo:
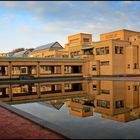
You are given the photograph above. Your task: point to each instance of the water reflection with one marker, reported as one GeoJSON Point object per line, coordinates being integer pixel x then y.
{"type": "Point", "coordinates": [114, 100]}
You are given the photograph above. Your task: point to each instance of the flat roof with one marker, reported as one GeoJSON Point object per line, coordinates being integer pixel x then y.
{"type": "Point", "coordinates": [79, 33]}
{"type": "Point", "coordinates": [120, 30]}
{"type": "Point", "coordinates": [40, 58]}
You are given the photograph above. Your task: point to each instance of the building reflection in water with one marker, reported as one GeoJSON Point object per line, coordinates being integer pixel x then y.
{"type": "Point", "coordinates": [115, 100]}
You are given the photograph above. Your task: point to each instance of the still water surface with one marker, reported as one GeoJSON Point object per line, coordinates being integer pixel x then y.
{"type": "Point", "coordinates": [112, 112]}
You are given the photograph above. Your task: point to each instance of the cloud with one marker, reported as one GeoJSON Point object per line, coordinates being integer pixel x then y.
{"type": "Point", "coordinates": [36, 22]}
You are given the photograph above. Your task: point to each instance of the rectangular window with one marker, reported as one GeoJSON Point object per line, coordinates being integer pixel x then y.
{"type": "Point", "coordinates": [94, 87]}
{"type": "Point", "coordinates": [106, 50]}
{"type": "Point", "coordinates": [103, 63]}
{"type": "Point", "coordinates": [102, 103]}
{"type": "Point", "coordinates": [102, 50]}
{"type": "Point", "coordinates": [98, 51]}
{"type": "Point", "coordinates": [105, 91]}
{"type": "Point", "coordinates": [116, 49]}
{"type": "Point", "coordinates": [135, 65]}
{"type": "Point", "coordinates": [128, 66]}
{"type": "Point", "coordinates": [86, 39]}
{"type": "Point", "coordinates": [121, 50]}
{"type": "Point", "coordinates": [94, 67]}
{"type": "Point", "coordinates": [23, 70]}
{"type": "Point", "coordinates": [135, 88]}
{"type": "Point", "coordinates": [119, 104]}
{"type": "Point", "coordinates": [128, 87]}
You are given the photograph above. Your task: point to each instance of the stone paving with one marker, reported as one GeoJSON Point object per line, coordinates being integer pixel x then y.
{"type": "Point", "coordinates": [13, 126]}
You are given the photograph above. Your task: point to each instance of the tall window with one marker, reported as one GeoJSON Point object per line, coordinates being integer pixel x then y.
{"type": "Point", "coordinates": [94, 67]}
{"type": "Point", "coordinates": [135, 65]}
{"type": "Point", "coordinates": [102, 50]}
{"type": "Point", "coordinates": [98, 51]}
{"type": "Point", "coordinates": [121, 50]}
{"type": "Point", "coordinates": [116, 49]}
{"type": "Point", "coordinates": [106, 50]}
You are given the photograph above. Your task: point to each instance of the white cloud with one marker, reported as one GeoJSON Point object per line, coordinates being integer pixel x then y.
{"type": "Point", "coordinates": [54, 21]}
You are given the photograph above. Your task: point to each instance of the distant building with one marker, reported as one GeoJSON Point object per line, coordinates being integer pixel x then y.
{"type": "Point", "coordinates": [3, 54]}
{"type": "Point", "coordinates": [53, 49]}
{"type": "Point", "coordinates": [21, 53]}
{"type": "Point", "coordinates": [77, 42]}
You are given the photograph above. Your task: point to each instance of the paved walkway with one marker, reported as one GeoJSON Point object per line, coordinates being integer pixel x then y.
{"type": "Point", "coordinates": [13, 126]}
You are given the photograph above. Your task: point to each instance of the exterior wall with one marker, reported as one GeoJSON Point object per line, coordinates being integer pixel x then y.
{"type": "Point", "coordinates": [120, 91]}
{"type": "Point", "coordinates": [132, 96]}
{"type": "Point", "coordinates": [76, 43]}
{"type": "Point", "coordinates": [132, 60]}
{"type": "Point", "coordinates": [119, 60]}
{"type": "Point", "coordinates": [103, 69]}
{"type": "Point", "coordinates": [120, 34]}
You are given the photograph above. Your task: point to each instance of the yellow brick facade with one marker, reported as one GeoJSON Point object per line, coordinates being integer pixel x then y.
{"type": "Point", "coordinates": [117, 53]}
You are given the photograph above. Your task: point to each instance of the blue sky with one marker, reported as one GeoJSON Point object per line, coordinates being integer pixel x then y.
{"type": "Point", "coordinates": [29, 24]}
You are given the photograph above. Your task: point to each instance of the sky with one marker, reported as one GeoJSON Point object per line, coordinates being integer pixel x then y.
{"type": "Point", "coordinates": [29, 24]}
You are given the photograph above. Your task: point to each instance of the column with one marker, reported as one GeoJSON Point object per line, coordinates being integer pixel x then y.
{"type": "Point", "coordinates": [38, 90]}
{"type": "Point", "coordinates": [38, 69]}
{"type": "Point", "coordinates": [10, 93]}
{"type": "Point", "coordinates": [63, 88]}
{"type": "Point", "coordinates": [10, 70]}
{"type": "Point", "coordinates": [62, 69]}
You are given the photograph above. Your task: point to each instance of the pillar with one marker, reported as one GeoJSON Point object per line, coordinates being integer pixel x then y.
{"type": "Point", "coordinates": [38, 90]}
{"type": "Point", "coordinates": [10, 93]}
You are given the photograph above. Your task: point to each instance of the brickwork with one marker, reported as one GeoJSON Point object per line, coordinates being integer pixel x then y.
{"type": "Point", "coordinates": [15, 127]}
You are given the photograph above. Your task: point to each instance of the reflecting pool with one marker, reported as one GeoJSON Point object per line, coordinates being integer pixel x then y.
{"type": "Point", "coordinates": [111, 109]}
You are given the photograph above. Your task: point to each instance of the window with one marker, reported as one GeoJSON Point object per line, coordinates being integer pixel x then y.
{"type": "Point", "coordinates": [121, 50]}
{"type": "Point", "coordinates": [105, 91]}
{"type": "Point", "coordinates": [104, 63]}
{"type": "Point", "coordinates": [86, 39]}
{"type": "Point", "coordinates": [102, 103]}
{"type": "Point", "coordinates": [94, 67]}
{"type": "Point", "coordinates": [135, 88]}
{"type": "Point", "coordinates": [102, 50]}
{"type": "Point", "coordinates": [135, 65]}
{"type": "Point", "coordinates": [23, 70]}
{"type": "Point", "coordinates": [119, 104]}
{"type": "Point", "coordinates": [128, 66]}
{"type": "Point", "coordinates": [94, 87]}
{"type": "Point", "coordinates": [106, 50]}
{"type": "Point", "coordinates": [97, 51]}
{"type": "Point", "coordinates": [116, 49]}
